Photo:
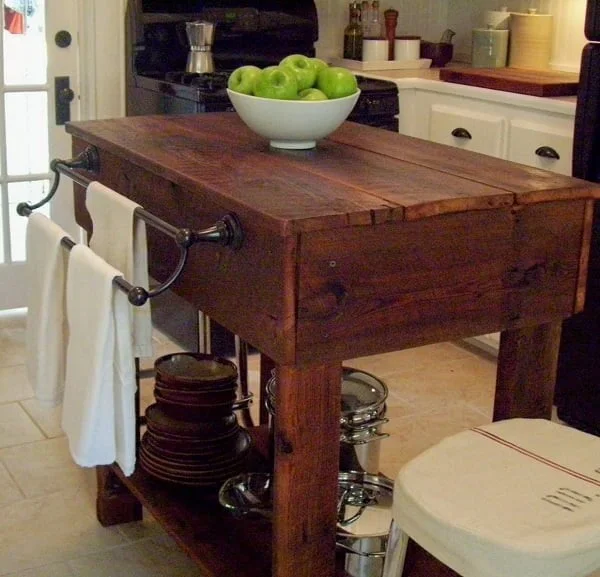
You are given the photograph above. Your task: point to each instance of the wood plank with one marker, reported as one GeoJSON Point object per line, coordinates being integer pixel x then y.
{"type": "Point", "coordinates": [376, 176]}
{"type": "Point", "coordinates": [437, 192]}
{"type": "Point", "coordinates": [533, 82]}
{"type": "Point", "coordinates": [528, 184]}
{"type": "Point", "coordinates": [398, 285]}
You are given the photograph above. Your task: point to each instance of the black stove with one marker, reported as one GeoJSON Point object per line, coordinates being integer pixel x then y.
{"type": "Point", "coordinates": [180, 93]}
{"type": "Point", "coordinates": [206, 82]}
{"type": "Point", "coordinates": [259, 32]}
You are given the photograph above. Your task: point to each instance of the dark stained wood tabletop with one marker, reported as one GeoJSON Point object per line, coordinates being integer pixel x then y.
{"type": "Point", "coordinates": [359, 175]}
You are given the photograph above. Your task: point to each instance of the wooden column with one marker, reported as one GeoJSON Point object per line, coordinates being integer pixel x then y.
{"type": "Point", "coordinates": [526, 377]}
{"type": "Point", "coordinates": [307, 442]}
{"type": "Point", "coordinates": [114, 502]}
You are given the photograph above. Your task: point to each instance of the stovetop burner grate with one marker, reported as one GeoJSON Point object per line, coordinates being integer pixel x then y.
{"type": "Point", "coordinates": [207, 82]}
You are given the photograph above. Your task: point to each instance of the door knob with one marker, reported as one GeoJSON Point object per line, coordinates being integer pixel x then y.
{"type": "Point", "coordinates": [63, 95]}
{"type": "Point", "coordinates": [63, 39]}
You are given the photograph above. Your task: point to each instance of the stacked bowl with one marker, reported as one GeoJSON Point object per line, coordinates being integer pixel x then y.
{"type": "Point", "coordinates": [192, 434]}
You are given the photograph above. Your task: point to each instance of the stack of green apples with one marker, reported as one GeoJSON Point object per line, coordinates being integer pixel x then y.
{"type": "Point", "coordinates": [296, 77]}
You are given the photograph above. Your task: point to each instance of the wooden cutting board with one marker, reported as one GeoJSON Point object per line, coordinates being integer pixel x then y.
{"type": "Point", "coordinates": [532, 82]}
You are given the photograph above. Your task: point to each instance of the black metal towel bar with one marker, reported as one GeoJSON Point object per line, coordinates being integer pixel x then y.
{"type": "Point", "coordinates": [227, 231]}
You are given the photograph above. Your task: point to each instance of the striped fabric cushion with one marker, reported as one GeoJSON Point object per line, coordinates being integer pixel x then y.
{"type": "Point", "coordinates": [516, 498]}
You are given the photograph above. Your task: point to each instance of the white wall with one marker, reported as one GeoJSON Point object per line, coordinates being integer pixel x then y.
{"type": "Point", "coordinates": [102, 58]}
{"type": "Point", "coordinates": [429, 18]}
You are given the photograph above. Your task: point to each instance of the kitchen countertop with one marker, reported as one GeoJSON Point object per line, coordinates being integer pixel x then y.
{"type": "Point", "coordinates": [428, 79]}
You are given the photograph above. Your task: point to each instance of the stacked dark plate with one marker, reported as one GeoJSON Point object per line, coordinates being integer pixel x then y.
{"type": "Point", "coordinates": [192, 434]}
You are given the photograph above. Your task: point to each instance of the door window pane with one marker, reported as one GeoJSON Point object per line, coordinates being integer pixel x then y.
{"type": "Point", "coordinates": [24, 37]}
{"type": "Point", "coordinates": [30, 192]}
{"type": "Point", "coordinates": [26, 134]}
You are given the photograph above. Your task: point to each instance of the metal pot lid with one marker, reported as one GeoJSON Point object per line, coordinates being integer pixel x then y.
{"type": "Point", "coordinates": [363, 396]}
{"type": "Point", "coordinates": [361, 392]}
{"type": "Point", "coordinates": [364, 505]}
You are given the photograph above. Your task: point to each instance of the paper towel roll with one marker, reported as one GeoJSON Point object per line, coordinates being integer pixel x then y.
{"type": "Point", "coordinates": [530, 40]}
{"type": "Point", "coordinates": [497, 19]}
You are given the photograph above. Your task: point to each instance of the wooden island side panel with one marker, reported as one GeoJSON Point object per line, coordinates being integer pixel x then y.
{"type": "Point", "coordinates": [243, 289]}
{"type": "Point", "coordinates": [397, 285]}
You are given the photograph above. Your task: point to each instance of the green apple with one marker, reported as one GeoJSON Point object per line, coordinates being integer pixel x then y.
{"type": "Point", "coordinates": [336, 82]}
{"type": "Point", "coordinates": [242, 79]}
{"type": "Point", "coordinates": [312, 94]}
{"type": "Point", "coordinates": [277, 82]}
{"type": "Point", "coordinates": [305, 72]}
{"type": "Point", "coordinates": [318, 64]}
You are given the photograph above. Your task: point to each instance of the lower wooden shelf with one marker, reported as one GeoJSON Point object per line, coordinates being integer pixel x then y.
{"type": "Point", "coordinates": [221, 545]}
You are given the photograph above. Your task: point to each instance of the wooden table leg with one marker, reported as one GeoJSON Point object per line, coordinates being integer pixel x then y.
{"type": "Point", "coordinates": [526, 376]}
{"type": "Point", "coordinates": [114, 503]}
{"type": "Point", "coordinates": [307, 443]}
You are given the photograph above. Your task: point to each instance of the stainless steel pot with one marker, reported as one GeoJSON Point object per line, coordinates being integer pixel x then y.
{"type": "Point", "coordinates": [364, 514]}
{"type": "Point", "coordinates": [361, 420]}
{"type": "Point", "coordinates": [364, 520]}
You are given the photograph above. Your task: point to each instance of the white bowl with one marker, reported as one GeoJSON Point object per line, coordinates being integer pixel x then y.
{"type": "Point", "coordinates": [293, 124]}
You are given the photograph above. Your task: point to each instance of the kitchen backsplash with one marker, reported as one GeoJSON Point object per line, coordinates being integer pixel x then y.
{"type": "Point", "coordinates": [429, 19]}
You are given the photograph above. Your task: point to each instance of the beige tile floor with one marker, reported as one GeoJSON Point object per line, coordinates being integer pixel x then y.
{"type": "Point", "coordinates": [47, 518]}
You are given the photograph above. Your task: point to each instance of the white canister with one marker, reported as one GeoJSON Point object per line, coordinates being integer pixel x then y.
{"type": "Point", "coordinates": [375, 49]}
{"type": "Point", "coordinates": [489, 48]}
{"type": "Point", "coordinates": [407, 47]}
{"type": "Point", "coordinates": [497, 19]}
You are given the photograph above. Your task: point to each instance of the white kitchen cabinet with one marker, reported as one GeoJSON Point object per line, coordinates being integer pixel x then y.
{"type": "Point", "coordinates": [475, 131]}
{"type": "Point", "coordinates": [545, 146]}
{"type": "Point", "coordinates": [529, 130]}
{"type": "Point", "coordinates": [501, 124]}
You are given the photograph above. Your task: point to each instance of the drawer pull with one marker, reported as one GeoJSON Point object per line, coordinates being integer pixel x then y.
{"type": "Point", "coordinates": [547, 152]}
{"type": "Point", "coordinates": [461, 133]}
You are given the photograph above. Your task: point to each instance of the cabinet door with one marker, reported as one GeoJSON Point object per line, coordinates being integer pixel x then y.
{"type": "Point", "coordinates": [542, 146]}
{"type": "Point", "coordinates": [462, 128]}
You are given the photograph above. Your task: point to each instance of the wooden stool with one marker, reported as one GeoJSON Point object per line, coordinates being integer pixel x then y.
{"type": "Point", "coordinates": [516, 498]}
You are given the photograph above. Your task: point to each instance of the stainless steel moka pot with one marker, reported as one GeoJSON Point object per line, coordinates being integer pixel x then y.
{"type": "Point", "coordinates": [200, 36]}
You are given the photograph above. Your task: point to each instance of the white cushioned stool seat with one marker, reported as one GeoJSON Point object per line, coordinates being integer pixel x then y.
{"type": "Point", "coordinates": [516, 498]}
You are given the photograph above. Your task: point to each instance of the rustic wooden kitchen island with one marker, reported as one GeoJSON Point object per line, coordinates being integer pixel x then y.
{"type": "Point", "coordinates": [371, 242]}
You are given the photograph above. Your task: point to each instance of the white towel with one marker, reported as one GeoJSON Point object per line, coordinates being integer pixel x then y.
{"type": "Point", "coordinates": [120, 239]}
{"type": "Point", "coordinates": [99, 416]}
{"type": "Point", "coordinates": [46, 333]}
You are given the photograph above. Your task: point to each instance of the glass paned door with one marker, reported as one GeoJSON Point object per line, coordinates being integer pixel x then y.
{"type": "Point", "coordinates": [29, 136]}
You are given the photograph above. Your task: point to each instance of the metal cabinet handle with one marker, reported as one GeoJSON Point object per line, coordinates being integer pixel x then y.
{"type": "Point", "coordinates": [547, 152]}
{"type": "Point", "coordinates": [461, 133]}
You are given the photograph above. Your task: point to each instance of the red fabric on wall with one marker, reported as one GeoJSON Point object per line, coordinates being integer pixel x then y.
{"type": "Point", "coordinates": [14, 22]}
